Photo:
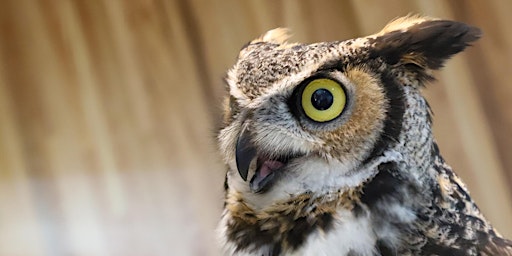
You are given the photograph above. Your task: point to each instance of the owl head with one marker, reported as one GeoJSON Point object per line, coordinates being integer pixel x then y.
{"type": "Point", "coordinates": [314, 118]}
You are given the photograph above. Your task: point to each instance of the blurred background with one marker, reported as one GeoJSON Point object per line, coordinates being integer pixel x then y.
{"type": "Point", "coordinates": [109, 109]}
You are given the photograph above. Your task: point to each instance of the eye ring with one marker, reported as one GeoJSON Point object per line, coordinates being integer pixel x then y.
{"type": "Point", "coordinates": [323, 99]}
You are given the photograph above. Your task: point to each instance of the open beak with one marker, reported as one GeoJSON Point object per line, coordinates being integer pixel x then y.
{"type": "Point", "coordinates": [267, 170]}
{"type": "Point", "coordinates": [245, 153]}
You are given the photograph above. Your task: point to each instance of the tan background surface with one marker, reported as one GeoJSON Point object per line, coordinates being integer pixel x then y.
{"type": "Point", "coordinates": [108, 112]}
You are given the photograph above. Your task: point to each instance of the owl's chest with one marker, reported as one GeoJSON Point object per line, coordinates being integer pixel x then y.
{"type": "Point", "coordinates": [349, 235]}
{"type": "Point", "coordinates": [345, 232]}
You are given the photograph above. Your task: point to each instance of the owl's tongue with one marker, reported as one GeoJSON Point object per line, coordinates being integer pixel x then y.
{"type": "Point", "coordinates": [264, 174]}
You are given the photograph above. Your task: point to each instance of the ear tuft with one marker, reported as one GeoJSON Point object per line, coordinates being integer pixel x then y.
{"type": "Point", "coordinates": [275, 36]}
{"type": "Point", "coordinates": [424, 42]}
{"type": "Point", "coordinates": [278, 37]}
{"type": "Point", "coordinates": [402, 23]}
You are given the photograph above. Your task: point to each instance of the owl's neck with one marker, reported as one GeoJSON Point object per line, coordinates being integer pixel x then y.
{"type": "Point", "coordinates": [331, 220]}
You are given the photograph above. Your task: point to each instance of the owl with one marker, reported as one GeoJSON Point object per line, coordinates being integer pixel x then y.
{"type": "Point", "coordinates": [329, 149]}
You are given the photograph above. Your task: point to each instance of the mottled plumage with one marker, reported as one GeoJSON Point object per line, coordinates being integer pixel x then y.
{"type": "Point", "coordinates": [366, 180]}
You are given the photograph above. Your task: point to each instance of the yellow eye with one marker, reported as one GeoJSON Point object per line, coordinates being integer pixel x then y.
{"type": "Point", "coordinates": [323, 99]}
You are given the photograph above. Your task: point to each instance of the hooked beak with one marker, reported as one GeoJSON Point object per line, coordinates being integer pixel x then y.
{"type": "Point", "coordinates": [245, 153]}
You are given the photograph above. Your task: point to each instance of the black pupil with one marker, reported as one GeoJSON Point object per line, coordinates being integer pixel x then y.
{"type": "Point", "coordinates": [322, 99]}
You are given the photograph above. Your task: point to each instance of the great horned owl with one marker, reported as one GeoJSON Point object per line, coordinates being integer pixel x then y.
{"type": "Point", "coordinates": [329, 149]}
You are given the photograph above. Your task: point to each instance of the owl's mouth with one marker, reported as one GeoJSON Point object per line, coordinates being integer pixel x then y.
{"type": "Point", "coordinates": [266, 173]}
{"type": "Point", "coordinates": [267, 169]}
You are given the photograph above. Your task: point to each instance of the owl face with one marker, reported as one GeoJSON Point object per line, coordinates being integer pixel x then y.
{"type": "Point", "coordinates": [312, 118]}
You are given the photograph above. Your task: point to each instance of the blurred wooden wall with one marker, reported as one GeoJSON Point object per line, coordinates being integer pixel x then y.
{"type": "Point", "coordinates": [108, 112]}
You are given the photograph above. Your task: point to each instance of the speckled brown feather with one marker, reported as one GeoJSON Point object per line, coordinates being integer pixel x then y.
{"type": "Point", "coordinates": [455, 222]}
